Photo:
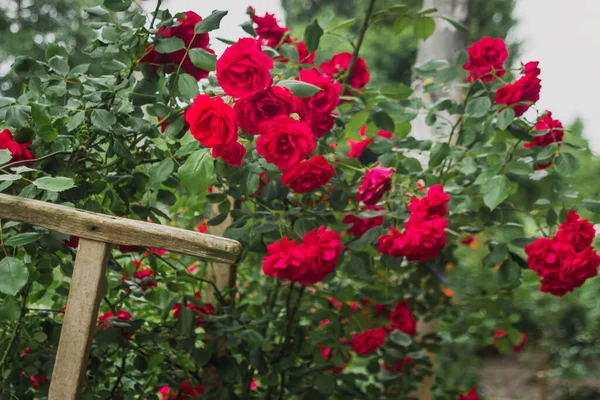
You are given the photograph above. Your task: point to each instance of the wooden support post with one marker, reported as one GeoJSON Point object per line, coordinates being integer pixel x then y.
{"type": "Point", "coordinates": [79, 323]}
{"type": "Point", "coordinates": [97, 232]}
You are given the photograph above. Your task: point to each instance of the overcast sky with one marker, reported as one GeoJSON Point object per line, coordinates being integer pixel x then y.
{"type": "Point", "coordinates": [563, 36]}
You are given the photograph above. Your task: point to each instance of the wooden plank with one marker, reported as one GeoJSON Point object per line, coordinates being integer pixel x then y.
{"type": "Point", "coordinates": [80, 320]}
{"type": "Point", "coordinates": [116, 230]}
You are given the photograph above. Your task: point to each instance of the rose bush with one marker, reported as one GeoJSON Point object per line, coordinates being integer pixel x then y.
{"type": "Point", "coordinates": [345, 239]}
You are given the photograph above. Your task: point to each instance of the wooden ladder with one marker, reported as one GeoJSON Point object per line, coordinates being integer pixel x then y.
{"type": "Point", "coordinates": [97, 233]}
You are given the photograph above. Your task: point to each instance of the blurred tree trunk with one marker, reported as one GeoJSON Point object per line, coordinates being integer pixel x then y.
{"type": "Point", "coordinates": [442, 45]}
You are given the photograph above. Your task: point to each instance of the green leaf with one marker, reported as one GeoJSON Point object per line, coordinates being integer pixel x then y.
{"type": "Point", "coordinates": [508, 275]}
{"type": "Point", "coordinates": [117, 5]}
{"type": "Point", "coordinates": [14, 276]}
{"type": "Point", "coordinates": [210, 23]}
{"type": "Point", "coordinates": [366, 239]}
{"type": "Point", "coordinates": [459, 27]}
{"type": "Point", "coordinates": [383, 121]}
{"type": "Point", "coordinates": [11, 178]}
{"type": "Point", "coordinates": [424, 27]}
{"type": "Point", "coordinates": [197, 173]}
{"type": "Point", "coordinates": [188, 86]}
{"type": "Point", "coordinates": [75, 121]}
{"type": "Point", "coordinates": [21, 239]}
{"type": "Point", "coordinates": [487, 174]}
{"type": "Point", "coordinates": [5, 101]}
{"type": "Point", "coordinates": [312, 36]}
{"type": "Point", "coordinates": [47, 133]}
{"type": "Point", "coordinates": [10, 309]}
{"type": "Point", "coordinates": [169, 45]}
{"type": "Point", "coordinates": [566, 164]}
{"type": "Point", "coordinates": [248, 27]}
{"type": "Point", "coordinates": [250, 182]}
{"type": "Point", "coordinates": [303, 225]}
{"type": "Point", "coordinates": [519, 168]}
{"type": "Point", "coordinates": [59, 65]}
{"type": "Point", "coordinates": [5, 156]}
{"type": "Point", "coordinates": [299, 88]}
{"type": "Point", "coordinates": [496, 191]}
{"type": "Point", "coordinates": [57, 184]}
{"type": "Point", "coordinates": [103, 119]}
{"type": "Point", "coordinates": [342, 25]}
{"type": "Point", "coordinates": [186, 322]}
{"type": "Point", "coordinates": [360, 265]}
{"type": "Point", "coordinates": [400, 24]}
{"type": "Point", "coordinates": [498, 254]}
{"type": "Point", "coordinates": [440, 151]}
{"type": "Point", "coordinates": [161, 172]}
{"type": "Point", "coordinates": [16, 117]}
{"type": "Point", "coordinates": [505, 118]}
{"type": "Point", "coordinates": [203, 59]}
{"type": "Point", "coordinates": [478, 107]}
{"type": "Point", "coordinates": [289, 51]}
{"type": "Point", "coordinates": [39, 114]}
{"type": "Point", "coordinates": [399, 338]}
{"type": "Point", "coordinates": [592, 205]}
{"type": "Point", "coordinates": [397, 91]}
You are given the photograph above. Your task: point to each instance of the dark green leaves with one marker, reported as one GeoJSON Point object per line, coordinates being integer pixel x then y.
{"type": "Point", "coordinates": [5, 156]}
{"type": "Point", "coordinates": [187, 85]}
{"type": "Point", "coordinates": [169, 45]}
{"type": "Point", "coordinates": [161, 172]}
{"type": "Point", "coordinates": [438, 154]}
{"type": "Point", "coordinates": [117, 5]}
{"type": "Point", "coordinates": [566, 164]}
{"type": "Point", "coordinates": [478, 107]}
{"type": "Point", "coordinates": [592, 205]}
{"type": "Point", "coordinates": [312, 36]}
{"type": "Point", "coordinates": [496, 191]}
{"type": "Point", "coordinates": [299, 88]}
{"type": "Point", "coordinates": [203, 59]}
{"type": "Point", "coordinates": [399, 338]}
{"type": "Point", "coordinates": [383, 121]}
{"type": "Point", "coordinates": [508, 274]}
{"type": "Point", "coordinates": [21, 239]}
{"type": "Point", "coordinates": [57, 184]}
{"type": "Point", "coordinates": [505, 118]}
{"type": "Point", "coordinates": [14, 275]}
{"type": "Point", "coordinates": [424, 27]}
{"type": "Point", "coordinates": [210, 23]}
{"type": "Point", "coordinates": [196, 174]}
{"type": "Point", "coordinates": [397, 91]}
{"type": "Point", "coordinates": [59, 65]}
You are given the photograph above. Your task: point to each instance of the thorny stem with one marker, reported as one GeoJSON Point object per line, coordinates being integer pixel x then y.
{"type": "Point", "coordinates": [158, 4]}
{"type": "Point", "coordinates": [361, 37]}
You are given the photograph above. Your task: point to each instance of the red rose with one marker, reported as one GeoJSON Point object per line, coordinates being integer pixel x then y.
{"type": "Point", "coordinates": [202, 226]}
{"type": "Point", "coordinates": [323, 247]}
{"type": "Point", "coordinates": [73, 242]}
{"type": "Point", "coordinates": [546, 123]}
{"type": "Point", "coordinates": [431, 206]}
{"type": "Point", "coordinates": [575, 231]}
{"type": "Point", "coordinates": [546, 256]}
{"type": "Point", "coordinates": [211, 121]}
{"type": "Point", "coordinates": [243, 69]}
{"type": "Point", "coordinates": [232, 153]}
{"type": "Point", "coordinates": [471, 395]}
{"type": "Point", "coordinates": [486, 59]}
{"type": "Point", "coordinates": [339, 64]}
{"type": "Point", "coordinates": [303, 56]}
{"type": "Point", "coordinates": [284, 260]}
{"type": "Point", "coordinates": [422, 240]}
{"type": "Point", "coordinates": [186, 391]}
{"type": "Point", "coordinates": [515, 348]}
{"type": "Point", "coordinates": [580, 267]}
{"type": "Point", "coordinates": [36, 380]}
{"type": "Point", "coordinates": [18, 151]}
{"type": "Point", "coordinates": [185, 32]}
{"type": "Point", "coordinates": [521, 94]}
{"type": "Point", "coordinates": [285, 142]}
{"type": "Point", "coordinates": [403, 320]}
{"type": "Point", "coordinates": [374, 185]}
{"type": "Point", "coordinates": [552, 284]}
{"type": "Point", "coordinates": [367, 342]}
{"type": "Point", "coordinates": [324, 101]}
{"type": "Point", "coordinates": [357, 147]}
{"type": "Point", "coordinates": [268, 30]}
{"type": "Point", "coordinates": [145, 273]}
{"type": "Point", "coordinates": [361, 225]}
{"type": "Point", "coordinates": [321, 124]}
{"type": "Point", "coordinates": [335, 303]}
{"type": "Point", "coordinates": [309, 175]}
{"type": "Point", "coordinates": [251, 112]}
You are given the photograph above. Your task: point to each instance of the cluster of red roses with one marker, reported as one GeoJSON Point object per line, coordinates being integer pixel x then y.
{"type": "Point", "coordinates": [306, 263]}
{"type": "Point", "coordinates": [105, 321]}
{"type": "Point", "coordinates": [486, 63]}
{"type": "Point", "coordinates": [470, 395]}
{"type": "Point", "coordinates": [18, 151]}
{"type": "Point", "coordinates": [401, 319]}
{"type": "Point", "coordinates": [424, 235]}
{"type": "Point", "coordinates": [186, 391]}
{"type": "Point", "coordinates": [567, 260]}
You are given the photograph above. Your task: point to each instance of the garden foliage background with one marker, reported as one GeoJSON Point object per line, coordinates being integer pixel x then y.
{"type": "Point", "coordinates": [161, 339]}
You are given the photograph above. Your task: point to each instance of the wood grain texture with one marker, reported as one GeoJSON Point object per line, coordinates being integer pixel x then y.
{"type": "Point", "coordinates": [116, 230]}
{"type": "Point", "coordinates": [79, 322]}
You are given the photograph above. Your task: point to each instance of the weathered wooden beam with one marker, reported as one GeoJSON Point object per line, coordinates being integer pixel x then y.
{"type": "Point", "coordinates": [124, 231]}
{"type": "Point", "coordinates": [79, 322]}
